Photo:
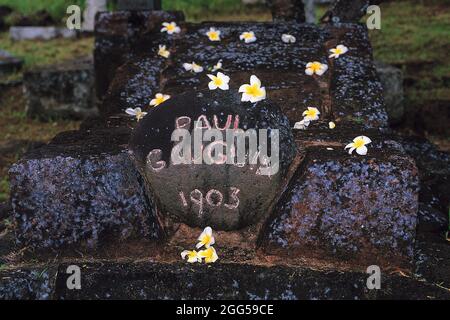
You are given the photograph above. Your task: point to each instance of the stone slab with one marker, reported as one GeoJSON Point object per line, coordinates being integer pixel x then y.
{"type": "Point", "coordinates": [80, 188]}
{"type": "Point", "coordinates": [39, 33]}
{"type": "Point", "coordinates": [61, 91]}
{"type": "Point", "coordinates": [347, 207]}
{"type": "Point", "coordinates": [139, 5]}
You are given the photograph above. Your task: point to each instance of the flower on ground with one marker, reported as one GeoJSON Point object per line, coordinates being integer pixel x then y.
{"type": "Point", "coordinates": [331, 125]}
{"type": "Point", "coordinates": [311, 114]}
{"type": "Point", "coordinates": [163, 52]}
{"type": "Point", "coordinates": [192, 67]}
{"type": "Point", "coordinates": [287, 38]}
{"type": "Point", "coordinates": [316, 67]}
{"type": "Point", "coordinates": [301, 125]}
{"type": "Point", "coordinates": [213, 34]}
{"type": "Point", "coordinates": [136, 112]}
{"type": "Point", "coordinates": [359, 144]}
{"type": "Point", "coordinates": [206, 239]}
{"type": "Point", "coordinates": [253, 92]}
{"type": "Point", "coordinates": [220, 81]}
{"type": "Point", "coordinates": [209, 255]}
{"type": "Point", "coordinates": [159, 98]}
{"type": "Point", "coordinates": [248, 36]}
{"type": "Point", "coordinates": [336, 52]}
{"type": "Point", "coordinates": [192, 256]}
{"type": "Point", "coordinates": [217, 66]}
{"type": "Point", "coordinates": [170, 28]}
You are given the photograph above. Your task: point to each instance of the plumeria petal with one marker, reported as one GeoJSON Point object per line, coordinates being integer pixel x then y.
{"type": "Point", "coordinates": [361, 150]}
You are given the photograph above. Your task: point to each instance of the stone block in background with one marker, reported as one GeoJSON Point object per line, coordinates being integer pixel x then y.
{"type": "Point", "coordinates": [80, 188]}
{"type": "Point", "coordinates": [62, 91]}
{"type": "Point", "coordinates": [8, 63]}
{"type": "Point", "coordinates": [139, 5]}
{"type": "Point", "coordinates": [353, 209]}
{"type": "Point", "coordinates": [391, 79]}
{"type": "Point", "coordinates": [40, 33]}
{"type": "Point", "coordinates": [116, 35]}
{"type": "Point", "coordinates": [92, 7]}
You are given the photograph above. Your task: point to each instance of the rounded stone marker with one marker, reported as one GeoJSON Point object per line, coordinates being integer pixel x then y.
{"type": "Point", "coordinates": [184, 149]}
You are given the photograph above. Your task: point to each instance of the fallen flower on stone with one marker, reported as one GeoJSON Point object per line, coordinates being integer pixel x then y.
{"type": "Point", "coordinates": [287, 38]}
{"type": "Point", "coordinates": [316, 67]}
{"type": "Point", "coordinates": [159, 98]}
{"type": "Point", "coordinates": [248, 37]}
{"type": "Point", "coordinates": [213, 34]}
{"type": "Point", "coordinates": [193, 256]}
{"type": "Point", "coordinates": [136, 112]}
{"type": "Point", "coordinates": [220, 81]}
{"type": "Point", "coordinates": [359, 144]}
{"type": "Point", "coordinates": [311, 114]}
{"type": "Point", "coordinates": [336, 52]}
{"type": "Point", "coordinates": [206, 239]}
{"type": "Point", "coordinates": [170, 28]}
{"type": "Point", "coordinates": [210, 255]}
{"type": "Point", "coordinates": [192, 67]}
{"type": "Point", "coordinates": [253, 92]}
{"type": "Point", "coordinates": [163, 52]}
{"type": "Point", "coordinates": [331, 125]}
{"type": "Point", "coordinates": [217, 66]}
{"type": "Point", "coordinates": [301, 125]}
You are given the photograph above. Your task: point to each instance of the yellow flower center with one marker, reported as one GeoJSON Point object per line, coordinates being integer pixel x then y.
{"type": "Point", "coordinates": [247, 35]}
{"type": "Point", "coordinates": [358, 143]}
{"type": "Point", "coordinates": [213, 35]}
{"type": "Point", "coordinates": [311, 113]}
{"type": "Point", "coordinates": [316, 66]}
{"type": "Point", "coordinates": [170, 27]}
{"type": "Point", "coordinates": [217, 81]}
{"type": "Point", "coordinates": [206, 239]}
{"type": "Point", "coordinates": [337, 51]}
{"type": "Point", "coordinates": [159, 100]}
{"type": "Point", "coordinates": [192, 254]}
{"type": "Point", "coordinates": [254, 90]}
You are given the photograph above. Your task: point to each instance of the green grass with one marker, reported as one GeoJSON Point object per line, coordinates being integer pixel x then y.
{"type": "Point", "coordinates": [57, 8]}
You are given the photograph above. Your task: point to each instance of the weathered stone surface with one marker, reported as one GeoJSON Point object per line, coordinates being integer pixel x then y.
{"type": "Point", "coordinates": [61, 91]}
{"type": "Point", "coordinates": [391, 79]}
{"type": "Point", "coordinates": [347, 207]}
{"type": "Point", "coordinates": [233, 281]}
{"type": "Point", "coordinates": [81, 187]}
{"type": "Point", "coordinates": [39, 33]}
{"type": "Point", "coordinates": [346, 11]}
{"type": "Point", "coordinates": [232, 196]}
{"type": "Point", "coordinates": [116, 34]}
{"type": "Point", "coordinates": [286, 10]}
{"type": "Point", "coordinates": [26, 284]}
{"type": "Point", "coordinates": [8, 63]}
{"type": "Point", "coordinates": [349, 92]}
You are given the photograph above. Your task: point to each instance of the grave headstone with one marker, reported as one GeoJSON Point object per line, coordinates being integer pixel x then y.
{"type": "Point", "coordinates": [391, 79]}
{"type": "Point", "coordinates": [92, 7]}
{"type": "Point", "coordinates": [213, 185]}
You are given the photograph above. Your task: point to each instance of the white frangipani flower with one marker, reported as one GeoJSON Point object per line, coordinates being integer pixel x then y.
{"type": "Point", "coordinates": [206, 238]}
{"type": "Point", "coordinates": [192, 67]}
{"type": "Point", "coordinates": [301, 125]}
{"type": "Point", "coordinates": [217, 66]}
{"type": "Point", "coordinates": [220, 81]}
{"type": "Point", "coordinates": [213, 34]}
{"type": "Point", "coordinates": [331, 125]}
{"type": "Point", "coordinates": [336, 52]}
{"type": "Point", "coordinates": [359, 144]}
{"type": "Point", "coordinates": [136, 112]}
{"type": "Point", "coordinates": [316, 67]}
{"type": "Point", "coordinates": [163, 52]}
{"type": "Point", "coordinates": [159, 98]}
{"type": "Point", "coordinates": [193, 256]}
{"type": "Point", "coordinates": [170, 28]}
{"type": "Point", "coordinates": [287, 38]}
{"type": "Point", "coordinates": [248, 36]}
{"type": "Point", "coordinates": [311, 114]}
{"type": "Point", "coordinates": [210, 255]}
{"type": "Point", "coordinates": [253, 92]}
